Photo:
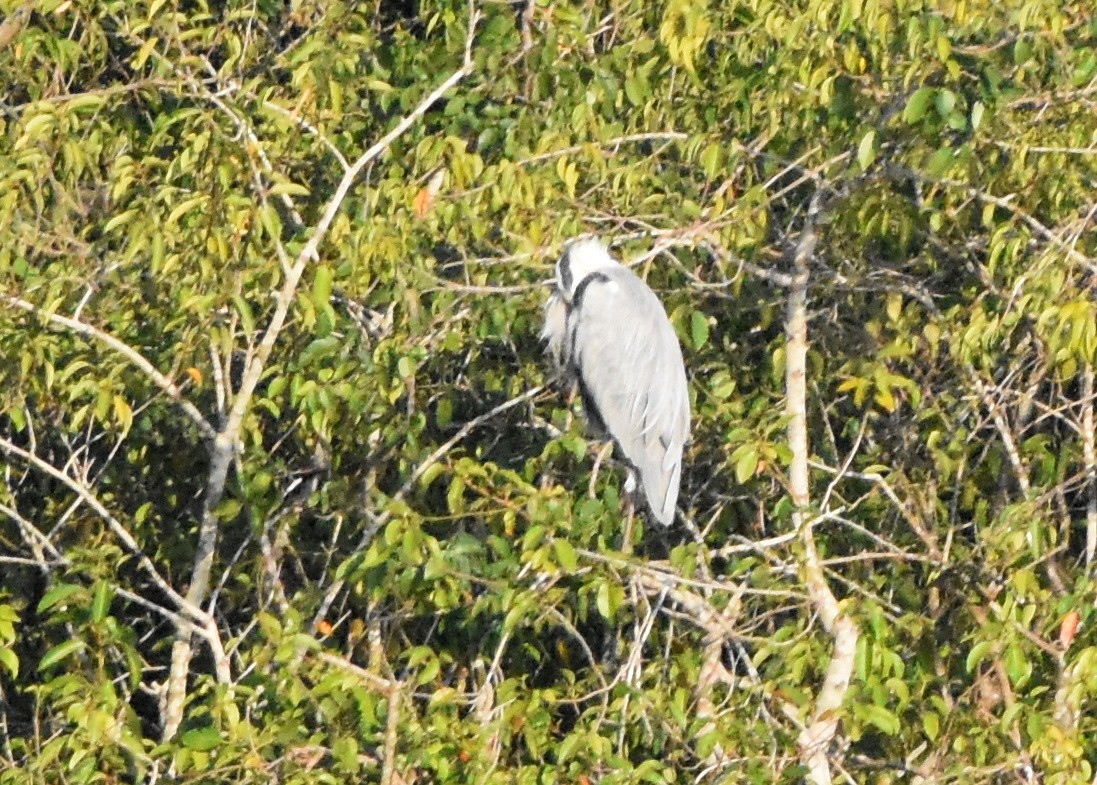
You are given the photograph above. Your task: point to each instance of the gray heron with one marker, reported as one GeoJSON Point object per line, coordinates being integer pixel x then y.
{"type": "Point", "coordinates": [606, 329]}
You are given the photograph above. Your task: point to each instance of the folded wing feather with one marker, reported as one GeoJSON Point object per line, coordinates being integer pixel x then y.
{"type": "Point", "coordinates": [630, 362]}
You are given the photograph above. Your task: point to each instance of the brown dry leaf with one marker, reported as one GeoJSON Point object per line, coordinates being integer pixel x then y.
{"type": "Point", "coordinates": [13, 24]}
{"type": "Point", "coordinates": [1068, 629]}
{"type": "Point", "coordinates": [422, 201]}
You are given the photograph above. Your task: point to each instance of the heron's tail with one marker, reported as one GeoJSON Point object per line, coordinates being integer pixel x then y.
{"type": "Point", "coordinates": [661, 489]}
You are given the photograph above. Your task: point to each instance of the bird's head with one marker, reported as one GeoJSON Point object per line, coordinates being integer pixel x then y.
{"type": "Point", "coordinates": [580, 259]}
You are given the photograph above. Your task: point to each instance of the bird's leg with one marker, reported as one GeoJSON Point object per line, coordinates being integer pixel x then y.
{"type": "Point", "coordinates": [597, 465]}
{"type": "Point", "coordinates": [630, 512]}
{"type": "Point", "coordinates": [573, 390]}
{"type": "Point", "coordinates": [630, 516]}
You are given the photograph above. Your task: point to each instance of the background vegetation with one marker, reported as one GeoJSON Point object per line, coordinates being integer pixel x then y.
{"type": "Point", "coordinates": [290, 495]}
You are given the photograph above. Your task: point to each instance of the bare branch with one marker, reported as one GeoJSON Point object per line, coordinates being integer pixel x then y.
{"type": "Point", "coordinates": [119, 530]}
{"type": "Point", "coordinates": [372, 680]}
{"type": "Point", "coordinates": [616, 142]}
{"type": "Point", "coordinates": [37, 541]}
{"type": "Point", "coordinates": [303, 123]}
{"type": "Point", "coordinates": [392, 726]}
{"type": "Point", "coordinates": [1006, 203]}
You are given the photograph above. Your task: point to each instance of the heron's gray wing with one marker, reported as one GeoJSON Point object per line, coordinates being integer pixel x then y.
{"type": "Point", "coordinates": [630, 365]}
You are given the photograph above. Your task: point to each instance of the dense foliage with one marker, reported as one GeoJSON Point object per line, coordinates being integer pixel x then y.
{"type": "Point", "coordinates": [274, 511]}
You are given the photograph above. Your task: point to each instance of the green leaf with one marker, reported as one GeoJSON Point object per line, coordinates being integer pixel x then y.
{"type": "Point", "coordinates": [931, 724]}
{"type": "Point", "coordinates": [321, 286]}
{"type": "Point", "coordinates": [286, 188]}
{"type": "Point", "coordinates": [247, 320]}
{"type": "Point", "coordinates": [637, 89]}
{"type": "Point", "coordinates": [85, 101]}
{"type": "Point", "coordinates": [272, 222]}
{"type": "Point", "coordinates": [228, 509]}
{"type": "Point", "coordinates": [918, 104]}
{"type": "Point", "coordinates": [123, 413]}
{"type": "Point", "coordinates": [894, 306]}
{"type": "Point", "coordinates": [945, 102]}
{"type": "Point", "coordinates": [202, 739]}
{"type": "Point", "coordinates": [101, 599]}
{"type": "Point", "coordinates": [143, 54]}
{"type": "Point", "coordinates": [944, 49]}
{"type": "Point", "coordinates": [698, 323]}
{"type": "Point", "coordinates": [977, 654]}
{"type": "Point", "coordinates": [746, 465]}
{"type": "Point", "coordinates": [1018, 668]}
{"type": "Point", "coordinates": [711, 159]}
{"type": "Point", "coordinates": [58, 594]}
{"type": "Point", "coordinates": [270, 626]}
{"type": "Point", "coordinates": [940, 162]}
{"type": "Point", "coordinates": [9, 661]}
{"type": "Point", "coordinates": [185, 207]}
{"type": "Point", "coordinates": [455, 495]}
{"type": "Point", "coordinates": [879, 716]}
{"type": "Point", "coordinates": [60, 652]}
{"type": "Point", "coordinates": [977, 115]}
{"type": "Point", "coordinates": [435, 568]}
{"type": "Point", "coordinates": [1022, 50]}
{"type": "Point", "coordinates": [866, 150]}
{"type": "Point", "coordinates": [119, 220]}
{"type": "Point", "coordinates": [608, 599]}
{"type": "Point", "coordinates": [565, 555]}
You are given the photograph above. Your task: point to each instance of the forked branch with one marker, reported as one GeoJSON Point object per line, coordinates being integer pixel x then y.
{"type": "Point", "coordinates": [225, 443]}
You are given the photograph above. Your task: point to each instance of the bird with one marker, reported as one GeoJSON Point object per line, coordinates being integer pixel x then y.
{"type": "Point", "coordinates": [607, 330]}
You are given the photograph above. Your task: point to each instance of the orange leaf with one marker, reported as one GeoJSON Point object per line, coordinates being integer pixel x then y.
{"type": "Point", "coordinates": [1068, 628]}
{"type": "Point", "coordinates": [195, 375]}
{"type": "Point", "coordinates": [425, 197]}
{"type": "Point", "coordinates": [421, 203]}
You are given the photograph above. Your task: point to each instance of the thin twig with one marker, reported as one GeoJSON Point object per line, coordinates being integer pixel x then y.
{"type": "Point", "coordinates": [662, 136]}
{"type": "Point", "coordinates": [420, 470]}
{"type": "Point", "coordinates": [160, 380]}
{"type": "Point", "coordinates": [115, 525]}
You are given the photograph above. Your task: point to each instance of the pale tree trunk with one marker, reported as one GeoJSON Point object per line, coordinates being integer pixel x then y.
{"type": "Point", "coordinates": [820, 729]}
{"type": "Point", "coordinates": [1071, 690]}
{"type": "Point", "coordinates": [1090, 456]}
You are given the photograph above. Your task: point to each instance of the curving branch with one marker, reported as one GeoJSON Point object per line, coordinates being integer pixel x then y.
{"type": "Point", "coordinates": [170, 388]}
{"type": "Point", "coordinates": [225, 442]}
{"type": "Point", "coordinates": [409, 484]}
{"type": "Point", "coordinates": [115, 526]}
